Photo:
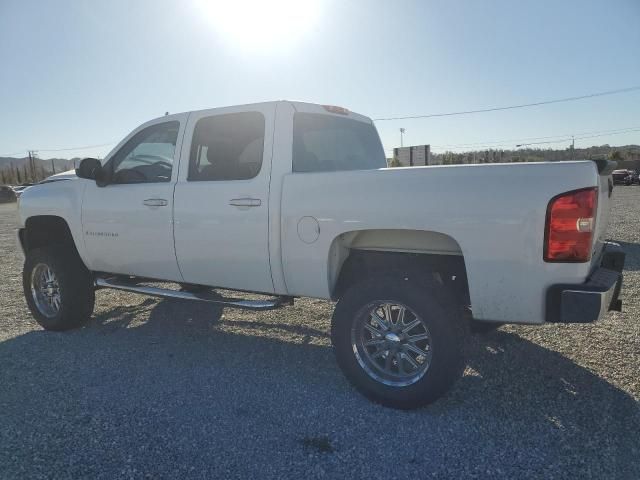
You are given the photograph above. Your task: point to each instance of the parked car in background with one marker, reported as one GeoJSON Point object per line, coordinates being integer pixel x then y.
{"type": "Point", "coordinates": [18, 189]}
{"type": "Point", "coordinates": [621, 177]}
{"type": "Point", "coordinates": [6, 194]}
{"type": "Point", "coordinates": [635, 177]}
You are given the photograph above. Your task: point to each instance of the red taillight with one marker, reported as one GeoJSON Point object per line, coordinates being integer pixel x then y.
{"type": "Point", "coordinates": [569, 228]}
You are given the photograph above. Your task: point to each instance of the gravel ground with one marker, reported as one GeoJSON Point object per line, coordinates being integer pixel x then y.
{"type": "Point", "coordinates": [157, 389]}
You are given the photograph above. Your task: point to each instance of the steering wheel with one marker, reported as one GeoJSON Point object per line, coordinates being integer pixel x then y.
{"type": "Point", "coordinates": [153, 159]}
{"type": "Point", "coordinates": [125, 175]}
{"type": "Point", "coordinates": [163, 163]}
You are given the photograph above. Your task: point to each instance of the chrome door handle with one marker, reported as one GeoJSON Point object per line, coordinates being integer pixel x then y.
{"type": "Point", "coordinates": [155, 202]}
{"type": "Point", "coordinates": [245, 202]}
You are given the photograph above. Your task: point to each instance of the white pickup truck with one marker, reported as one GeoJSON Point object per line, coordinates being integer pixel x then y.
{"type": "Point", "coordinates": [293, 200]}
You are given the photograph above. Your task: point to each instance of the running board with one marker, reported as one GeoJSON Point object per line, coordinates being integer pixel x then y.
{"type": "Point", "coordinates": [118, 284]}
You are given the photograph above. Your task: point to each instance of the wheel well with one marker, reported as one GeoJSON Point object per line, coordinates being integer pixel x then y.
{"type": "Point", "coordinates": [449, 269]}
{"type": "Point", "coordinates": [45, 230]}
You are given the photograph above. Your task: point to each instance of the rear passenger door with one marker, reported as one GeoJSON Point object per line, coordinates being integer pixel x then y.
{"type": "Point", "coordinates": [221, 201]}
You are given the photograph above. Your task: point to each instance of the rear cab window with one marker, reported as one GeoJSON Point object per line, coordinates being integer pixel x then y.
{"type": "Point", "coordinates": [328, 143]}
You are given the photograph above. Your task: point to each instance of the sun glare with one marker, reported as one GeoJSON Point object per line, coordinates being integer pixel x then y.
{"type": "Point", "coordinates": [261, 25]}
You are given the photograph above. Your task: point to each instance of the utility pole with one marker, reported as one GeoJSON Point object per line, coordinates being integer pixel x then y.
{"type": "Point", "coordinates": [53, 167]}
{"type": "Point", "coordinates": [573, 147]}
{"type": "Point", "coordinates": [39, 171]}
{"type": "Point", "coordinates": [30, 164]}
{"type": "Point", "coordinates": [33, 155]}
{"type": "Point", "coordinates": [35, 174]}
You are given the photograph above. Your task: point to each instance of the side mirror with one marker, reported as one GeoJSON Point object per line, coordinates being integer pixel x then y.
{"type": "Point", "coordinates": [91, 169]}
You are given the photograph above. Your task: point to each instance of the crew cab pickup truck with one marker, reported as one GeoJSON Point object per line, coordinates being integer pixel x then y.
{"type": "Point", "coordinates": [294, 200]}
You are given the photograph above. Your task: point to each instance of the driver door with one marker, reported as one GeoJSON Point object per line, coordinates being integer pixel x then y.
{"type": "Point", "coordinates": [128, 224]}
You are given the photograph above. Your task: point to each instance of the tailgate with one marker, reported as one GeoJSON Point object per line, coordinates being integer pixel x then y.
{"type": "Point", "coordinates": [605, 189]}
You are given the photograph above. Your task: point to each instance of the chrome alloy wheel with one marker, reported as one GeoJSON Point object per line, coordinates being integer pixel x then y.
{"type": "Point", "coordinates": [391, 343]}
{"type": "Point", "coordinates": [45, 290]}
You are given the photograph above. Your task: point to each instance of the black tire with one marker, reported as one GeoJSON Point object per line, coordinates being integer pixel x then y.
{"type": "Point", "coordinates": [437, 308]}
{"type": "Point", "coordinates": [75, 287]}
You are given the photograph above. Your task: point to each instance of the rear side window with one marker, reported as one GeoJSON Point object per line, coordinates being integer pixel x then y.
{"type": "Point", "coordinates": [227, 147]}
{"type": "Point", "coordinates": [326, 143]}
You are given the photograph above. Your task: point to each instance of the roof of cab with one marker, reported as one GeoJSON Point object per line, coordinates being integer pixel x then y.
{"type": "Point", "coordinates": [298, 106]}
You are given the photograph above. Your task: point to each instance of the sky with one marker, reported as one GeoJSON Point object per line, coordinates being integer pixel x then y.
{"type": "Point", "coordinates": [79, 73]}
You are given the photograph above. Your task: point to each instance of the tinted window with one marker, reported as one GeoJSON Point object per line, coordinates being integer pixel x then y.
{"type": "Point", "coordinates": [324, 143]}
{"type": "Point", "coordinates": [147, 157]}
{"type": "Point", "coordinates": [227, 147]}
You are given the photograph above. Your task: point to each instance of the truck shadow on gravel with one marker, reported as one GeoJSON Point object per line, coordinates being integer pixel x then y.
{"type": "Point", "coordinates": [632, 261]}
{"type": "Point", "coordinates": [265, 390]}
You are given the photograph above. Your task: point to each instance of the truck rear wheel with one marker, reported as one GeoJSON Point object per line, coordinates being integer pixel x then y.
{"type": "Point", "coordinates": [398, 340]}
{"type": "Point", "coordinates": [58, 288]}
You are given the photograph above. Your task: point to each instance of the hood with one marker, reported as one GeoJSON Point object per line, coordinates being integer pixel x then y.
{"type": "Point", "coordinates": [68, 175]}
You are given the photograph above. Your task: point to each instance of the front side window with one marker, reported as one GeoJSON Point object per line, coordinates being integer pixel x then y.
{"type": "Point", "coordinates": [227, 147]}
{"type": "Point", "coordinates": [147, 157]}
{"type": "Point", "coordinates": [326, 143]}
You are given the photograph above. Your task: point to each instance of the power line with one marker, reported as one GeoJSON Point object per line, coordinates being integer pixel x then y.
{"type": "Point", "coordinates": [559, 139]}
{"type": "Point", "coordinates": [12, 154]}
{"type": "Point", "coordinates": [515, 140]}
{"type": "Point", "coordinates": [512, 107]}
{"type": "Point", "coordinates": [605, 134]}
{"type": "Point", "coordinates": [511, 140]}
{"type": "Point", "coordinates": [431, 115]}
{"type": "Point", "coordinates": [578, 138]}
{"type": "Point", "coordinates": [86, 147]}
{"type": "Point", "coordinates": [550, 141]}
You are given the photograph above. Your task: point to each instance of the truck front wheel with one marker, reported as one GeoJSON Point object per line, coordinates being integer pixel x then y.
{"type": "Point", "coordinates": [399, 340]}
{"type": "Point", "coordinates": [58, 288]}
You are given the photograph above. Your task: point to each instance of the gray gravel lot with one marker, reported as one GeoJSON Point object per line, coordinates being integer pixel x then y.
{"type": "Point", "coordinates": [156, 389]}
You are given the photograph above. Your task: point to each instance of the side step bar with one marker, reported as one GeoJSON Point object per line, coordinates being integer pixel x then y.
{"type": "Point", "coordinates": [129, 286]}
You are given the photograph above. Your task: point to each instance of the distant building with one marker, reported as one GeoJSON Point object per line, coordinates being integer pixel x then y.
{"type": "Point", "coordinates": [415, 155]}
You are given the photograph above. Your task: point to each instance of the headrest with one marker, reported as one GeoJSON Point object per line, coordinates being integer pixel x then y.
{"type": "Point", "coordinates": [219, 152]}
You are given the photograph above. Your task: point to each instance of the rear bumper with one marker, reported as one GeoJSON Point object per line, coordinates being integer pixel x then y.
{"type": "Point", "coordinates": [587, 302]}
